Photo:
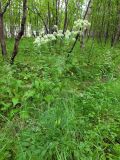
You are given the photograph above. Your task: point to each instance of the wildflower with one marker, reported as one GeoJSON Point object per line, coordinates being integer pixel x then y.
{"type": "Point", "coordinates": [67, 34]}
{"type": "Point", "coordinates": [55, 27]}
{"type": "Point", "coordinates": [73, 39]}
{"type": "Point", "coordinates": [55, 33]}
{"type": "Point", "coordinates": [78, 28]}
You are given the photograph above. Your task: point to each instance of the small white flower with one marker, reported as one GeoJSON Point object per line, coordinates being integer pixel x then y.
{"type": "Point", "coordinates": [60, 31]}
{"type": "Point", "coordinates": [73, 39]}
{"type": "Point", "coordinates": [55, 27]}
{"type": "Point", "coordinates": [68, 33]}
{"type": "Point", "coordinates": [46, 36]}
{"type": "Point", "coordinates": [60, 35]}
{"type": "Point", "coordinates": [54, 33]}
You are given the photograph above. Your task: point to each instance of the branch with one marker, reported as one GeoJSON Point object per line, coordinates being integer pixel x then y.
{"type": "Point", "coordinates": [86, 12]}
{"type": "Point", "coordinates": [76, 38]}
{"type": "Point", "coordinates": [84, 17]}
{"type": "Point", "coordinates": [39, 14]}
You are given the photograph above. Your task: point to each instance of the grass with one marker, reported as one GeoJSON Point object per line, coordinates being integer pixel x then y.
{"type": "Point", "coordinates": [53, 109]}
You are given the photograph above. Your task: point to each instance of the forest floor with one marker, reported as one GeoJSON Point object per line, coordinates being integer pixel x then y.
{"type": "Point", "coordinates": [54, 108]}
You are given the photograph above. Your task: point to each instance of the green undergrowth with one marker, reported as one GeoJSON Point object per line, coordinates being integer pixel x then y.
{"type": "Point", "coordinates": [54, 108]}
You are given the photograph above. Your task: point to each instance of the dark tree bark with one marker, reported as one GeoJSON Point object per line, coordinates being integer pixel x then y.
{"type": "Point", "coordinates": [86, 12]}
{"type": "Point", "coordinates": [2, 35]}
{"type": "Point", "coordinates": [76, 39]}
{"type": "Point", "coordinates": [21, 32]}
{"type": "Point", "coordinates": [66, 16]}
{"type": "Point", "coordinates": [57, 11]}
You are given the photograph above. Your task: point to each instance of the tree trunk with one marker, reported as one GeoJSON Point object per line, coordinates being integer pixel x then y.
{"type": "Point", "coordinates": [2, 37]}
{"type": "Point", "coordinates": [49, 17]}
{"type": "Point", "coordinates": [21, 32]}
{"type": "Point", "coordinates": [66, 17]}
{"type": "Point", "coordinates": [117, 35]}
{"type": "Point", "coordinates": [56, 12]}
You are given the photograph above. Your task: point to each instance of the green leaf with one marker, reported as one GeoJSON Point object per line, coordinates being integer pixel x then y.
{"type": "Point", "coordinates": [49, 98]}
{"type": "Point", "coordinates": [5, 106]}
{"type": "Point", "coordinates": [15, 101]}
{"type": "Point", "coordinates": [24, 115]}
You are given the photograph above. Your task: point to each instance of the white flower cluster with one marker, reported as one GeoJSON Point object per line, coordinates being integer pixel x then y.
{"type": "Point", "coordinates": [41, 40]}
{"type": "Point", "coordinates": [79, 27]}
{"type": "Point", "coordinates": [58, 34]}
{"type": "Point", "coordinates": [45, 39]}
{"type": "Point", "coordinates": [81, 24]}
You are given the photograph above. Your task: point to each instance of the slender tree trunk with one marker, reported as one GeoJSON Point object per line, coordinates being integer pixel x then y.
{"type": "Point", "coordinates": [108, 23]}
{"type": "Point", "coordinates": [21, 32]}
{"type": "Point", "coordinates": [35, 11]}
{"type": "Point", "coordinates": [2, 37]}
{"type": "Point", "coordinates": [117, 35]}
{"type": "Point", "coordinates": [66, 16]}
{"type": "Point", "coordinates": [56, 12]}
{"type": "Point", "coordinates": [49, 17]}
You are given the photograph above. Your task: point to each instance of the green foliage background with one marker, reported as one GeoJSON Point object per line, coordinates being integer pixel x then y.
{"type": "Point", "coordinates": [51, 108]}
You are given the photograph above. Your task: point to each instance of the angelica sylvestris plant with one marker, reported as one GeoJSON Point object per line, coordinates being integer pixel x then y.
{"type": "Point", "coordinates": [79, 27]}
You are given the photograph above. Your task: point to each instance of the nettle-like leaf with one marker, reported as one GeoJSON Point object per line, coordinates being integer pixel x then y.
{"type": "Point", "coordinates": [15, 101]}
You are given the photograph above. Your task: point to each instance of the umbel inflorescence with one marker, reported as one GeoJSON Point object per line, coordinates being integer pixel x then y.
{"type": "Point", "coordinates": [78, 28]}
